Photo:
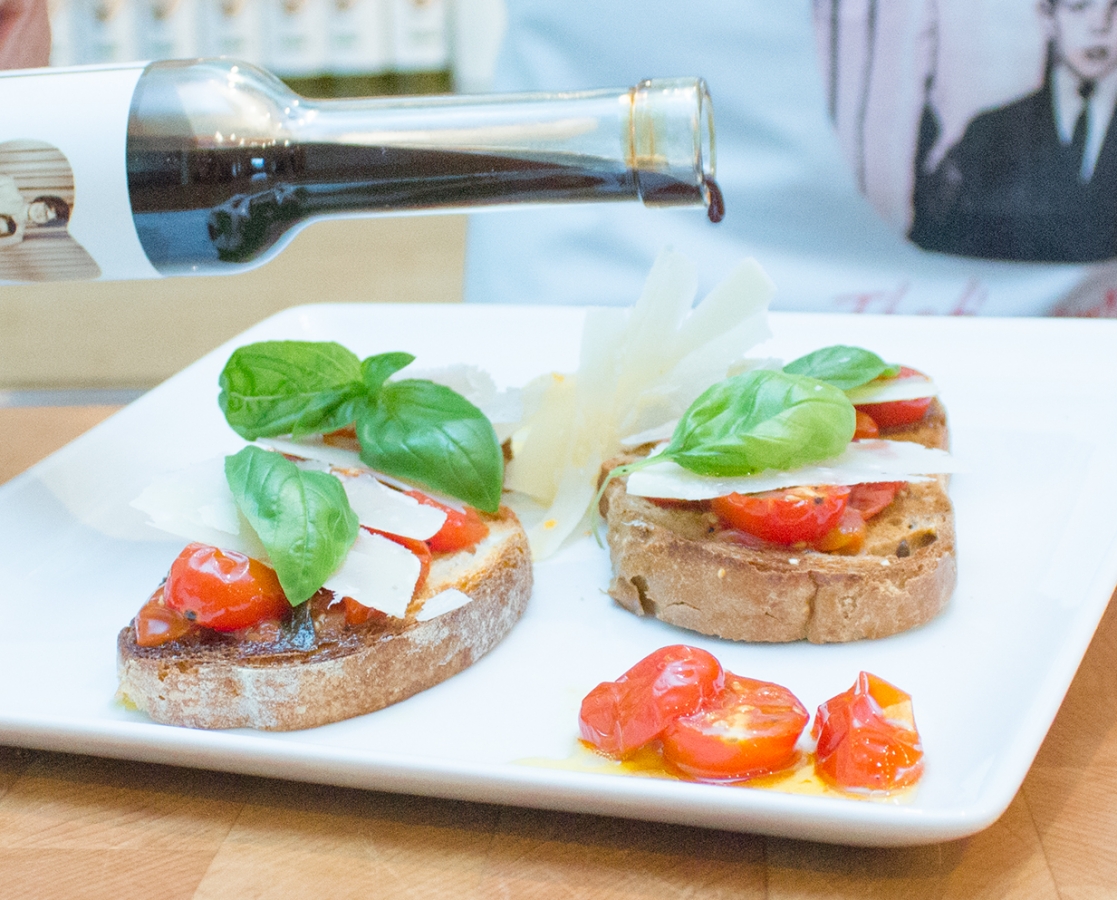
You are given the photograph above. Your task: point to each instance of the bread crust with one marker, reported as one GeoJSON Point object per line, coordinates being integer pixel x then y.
{"type": "Point", "coordinates": [223, 686]}
{"type": "Point", "coordinates": [668, 563]}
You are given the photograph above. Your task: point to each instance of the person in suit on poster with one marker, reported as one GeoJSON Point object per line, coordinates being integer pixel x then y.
{"type": "Point", "coordinates": [1036, 179]}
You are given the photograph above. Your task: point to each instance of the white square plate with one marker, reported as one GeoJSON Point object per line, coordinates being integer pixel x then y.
{"type": "Point", "coordinates": [1030, 405]}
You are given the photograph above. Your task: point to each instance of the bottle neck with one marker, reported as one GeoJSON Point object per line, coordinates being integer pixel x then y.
{"type": "Point", "coordinates": [652, 143]}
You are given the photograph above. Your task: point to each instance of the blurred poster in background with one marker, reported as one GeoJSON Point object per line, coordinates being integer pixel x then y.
{"type": "Point", "coordinates": [322, 48]}
{"type": "Point", "coordinates": [980, 129]}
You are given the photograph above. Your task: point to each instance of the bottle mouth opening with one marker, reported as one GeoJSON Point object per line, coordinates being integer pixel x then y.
{"type": "Point", "coordinates": [673, 143]}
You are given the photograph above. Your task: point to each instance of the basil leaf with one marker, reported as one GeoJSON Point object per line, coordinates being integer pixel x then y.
{"type": "Point", "coordinates": [424, 431]}
{"type": "Point", "coordinates": [290, 387]}
{"type": "Point", "coordinates": [762, 420]}
{"type": "Point", "coordinates": [377, 369]}
{"type": "Point", "coordinates": [844, 367]}
{"type": "Point", "coordinates": [303, 518]}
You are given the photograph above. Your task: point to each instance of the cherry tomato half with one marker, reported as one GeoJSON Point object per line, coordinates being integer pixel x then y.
{"type": "Point", "coordinates": [749, 729]}
{"type": "Point", "coordinates": [621, 716]}
{"type": "Point", "coordinates": [867, 737]}
{"type": "Point", "coordinates": [847, 537]}
{"type": "Point", "coordinates": [865, 501]}
{"type": "Point", "coordinates": [790, 516]}
{"type": "Point", "coordinates": [461, 530]}
{"type": "Point", "coordinates": [223, 590]}
{"type": "Point", "coordinates": [866, 426]}
{"type": "Point", "coordinates": [898, 412]}
{"type": "Point", "coordinates": [157, 624]}
{"type": "Point", "coordinates": [872, 497]}
{"type": "Point", "coordinates": [357, 613]}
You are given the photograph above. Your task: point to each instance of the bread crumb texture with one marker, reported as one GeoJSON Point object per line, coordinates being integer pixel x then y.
{"type": "Point", "coordinates": [373, 669]}
{"type": "Point", "coordinates": [668, 564]}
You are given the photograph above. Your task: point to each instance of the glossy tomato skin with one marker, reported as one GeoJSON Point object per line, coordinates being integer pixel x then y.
{"type": "Point", "coordinates": [867, 739]}
{"type": "Point", "coordinates": [865, 501]}
{"type": "Point", "coordinates": [798, 515]}
{"type": "Point", "coordinates": [750, 728]}
{"type": "Point", "coordinates": [898, 412]}
{"type": "Point", "coordinates": [223, 590]}
{"type": "Point", "coordinates": [462, 529]}
{"type": "Point", "coordinates": [619, 717]}
{"type": "Point", "coordinates": [847, 537]}
{"type": "Point", "coordinates": [871, 498]}
{"type": "Point", "coordinates": [866, 427]}
{"type": "Point", "coordinates": [354, 613]}
{"type": "Point", "coordinates": [157, 624]}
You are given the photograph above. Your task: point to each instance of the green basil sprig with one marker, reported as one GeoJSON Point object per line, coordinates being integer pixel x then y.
{"type": "Point", "coordinates": [762, 420]}
{"type": "Point", "coordinates": [304, 519]}
{"type": "Point", "coordinates": [842, 366]}
{"type": "Point", "coordinates": [756, 421]}
{"type": "Point", "coordinates": [412, 429]}
{"type": "Point", "coordinates": [290, 387]}
{"type": "Point", "coordinates": [422, 430]}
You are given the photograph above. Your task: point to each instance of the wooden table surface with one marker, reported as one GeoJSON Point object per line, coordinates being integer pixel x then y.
{"type": "Point", "coordinates": [76, 827]}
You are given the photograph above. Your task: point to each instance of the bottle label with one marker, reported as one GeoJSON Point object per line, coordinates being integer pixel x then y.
{"type": "Point", "coordinates": [65, 212]}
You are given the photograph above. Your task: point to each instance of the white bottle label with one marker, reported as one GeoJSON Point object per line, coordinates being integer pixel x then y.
{"type": "Point", "coordinates": [65, 212]}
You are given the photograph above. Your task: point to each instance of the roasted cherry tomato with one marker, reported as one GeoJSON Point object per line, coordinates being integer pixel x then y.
{"type": "Point", "coordinates": [223, 590]}
{"type": "Point", "coordinates": [898, 412]}
{"type": "Point", "coordinates": [358, 614]}
{"type": "Point", "coordinates": [798, 515]}
{"type": "Point", "coordinates": [461, 530]}
{"type": "Point", "coordinates": [872, 497]}
{"type": "Point", "coordinates": [847, 537]}
{"type": "Point", "coordinates": [866, 426]}
{"type": "Point", "coordinates": [748, 729]}
{"type": "Point", "coordinates": [867, 738]}
{"type": "Point", "coordinates": [621, 716]}
{"type": "Point", "coordinates": [158, 624]}
{"type": "Point", "coordinates": [865, 501]}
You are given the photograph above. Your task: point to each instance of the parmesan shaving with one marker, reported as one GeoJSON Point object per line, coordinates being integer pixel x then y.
{"type": "Point", "coordinates": [892, 389]}
{"type": "Point", "coordinates": [337, 459]}
{"type": "Point", "coordinates": [379, 573]}
{"type": "Point", "coordinates": [442, 603]}
{"type": "Point", "coordinates": [862, 462]}
{"type": "Point", "coordinates": [639, 369]}
{"type": "Point", "coordinates": [195, 503]}
{"type": "Point", "coordinates": [383, 509]}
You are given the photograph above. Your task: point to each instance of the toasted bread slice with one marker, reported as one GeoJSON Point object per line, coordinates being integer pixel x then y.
{"type": "Point", "coordinates": [668, 563]}
{"type": "Point", "coordinates": [227, 684]}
